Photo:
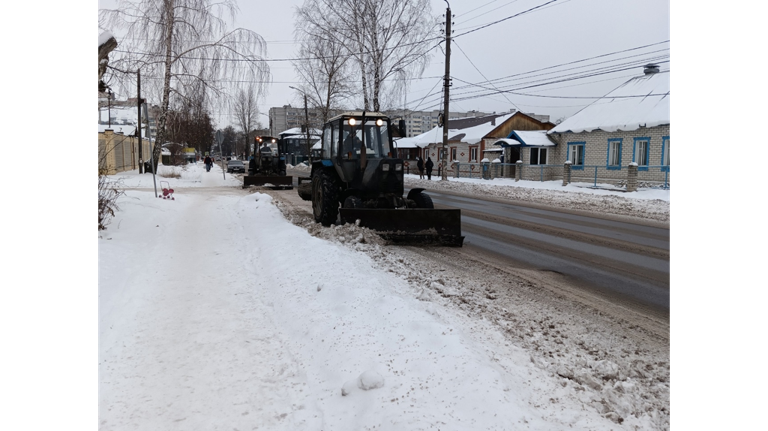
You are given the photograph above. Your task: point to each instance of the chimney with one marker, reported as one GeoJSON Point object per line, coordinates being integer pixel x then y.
{"type": "Point", "coordinates": [493, 121]}
{"type": "Point", "coordinates": [651, 68]}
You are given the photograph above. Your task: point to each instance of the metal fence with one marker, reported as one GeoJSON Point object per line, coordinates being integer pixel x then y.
{"type": "Point", "coordinates": [486, 171]}
{"type": "Point", "coordinates": [541, 172]}
{"type": "Point", "coordinates": [647, 176]}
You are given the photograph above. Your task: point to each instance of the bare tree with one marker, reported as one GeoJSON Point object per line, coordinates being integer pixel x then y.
{"type": "Point", "coordinates": [228, 146]}
{"type": "Point", "coordinates": [190, 123]}
{"type": "Point", "coordinates": [246, 112]}
{"type": "Point", "coordinates": [186, 42]}
{"type": "Point", "coordinates": [323, 67]}
{"type": "Point", "coordinates": [383, 36]}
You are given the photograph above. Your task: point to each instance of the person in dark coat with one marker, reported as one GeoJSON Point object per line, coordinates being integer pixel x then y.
{"type": "Point", "coordinates": [420, 166]}
{"type": "Point", "coordinates": [429, 166]}
{"type": "Point", "coordinates": [208, 163]}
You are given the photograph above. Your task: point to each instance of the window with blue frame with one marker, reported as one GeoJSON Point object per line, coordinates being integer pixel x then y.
{"type": "Point", "coordinates": [665, 154]}
{"type": "Point", "coordinates": [614, 154]}
{"type": "Point", "coordinates": [641, 152]}
{"type": "Point", "coordinates": [576, 154]}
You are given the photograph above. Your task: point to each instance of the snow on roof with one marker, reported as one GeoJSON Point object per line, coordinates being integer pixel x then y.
{"type": "Point", "coordinates": [298, 131]}
{"type": "Point", "coordinates": [526, 138]}
{"type": "Point", "coordinates": [617, 111]}
{"type": "Point", "coordinates": [104, 37]}
{"type": "Point", "coordinates": [126, 130]}
{"type": "Point", "coordinates": [411, 142]}
{"type": "Point", "coordinates": [469, 135]}
{"type": "Point", "coordinates": [475, 134]}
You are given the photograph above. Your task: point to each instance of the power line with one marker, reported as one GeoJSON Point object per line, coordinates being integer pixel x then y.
{"type": "Point", "coordinates": [583, 60]}
{"type": "Point", "coordinates": [267, 60]}
{"type": "Point", "coordinates": [504, 19]}
{"type": "Point", "coordinates": [636, 63]}
{"type": "Point", "coordinates": [563, 97]}
{"type": "Point", "coordinates": [487, 12]}
{"type": "Point", "coordinates": [489, 92]}
{"type": "Point", "coordinates": [486, 4]}
{"type": "Point", "coordinates": [481, 73]}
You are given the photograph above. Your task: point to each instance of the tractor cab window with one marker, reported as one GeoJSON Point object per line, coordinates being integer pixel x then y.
{"type": "Point", "coordinates": [376, 140]}
{"type": "Point", "coordinates": [328, 142]}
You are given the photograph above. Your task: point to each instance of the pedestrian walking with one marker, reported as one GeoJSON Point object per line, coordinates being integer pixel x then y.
{"type": "Point", "coordinates": [208, 163]}
{"type": "Point", "coordinates": [420, 165]}
{"type": "Point", "coordinates": [429, 166]}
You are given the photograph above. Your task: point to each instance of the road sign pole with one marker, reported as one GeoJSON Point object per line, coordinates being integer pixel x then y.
{"type": "Point", "coordinates": [219, 140]}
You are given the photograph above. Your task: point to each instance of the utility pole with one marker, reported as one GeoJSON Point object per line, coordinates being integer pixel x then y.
{"type": "Point", "coordinates": [306, 122]}
{"type": "Point", "coordinates": [446, 85]}
{"type": "Point", "coordinates": [138, 125]}
{"type": "Point", "coordinates": [109, 108]}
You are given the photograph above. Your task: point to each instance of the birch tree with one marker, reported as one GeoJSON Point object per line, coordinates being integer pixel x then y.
{"type": "Point", "coordinates": [191, 124]}
{"type": "Point", "coordinates": [181, 43]}
{"type": "Point", "coordinates": [246, 113]}
{"type": "Point", "coordinates": [323, 68]}
{"type": "Point", "coordinates": [384, 37]}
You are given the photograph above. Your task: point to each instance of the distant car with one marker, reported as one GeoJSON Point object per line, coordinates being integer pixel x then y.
{"type": "Point", "coordinates": [235, 166]}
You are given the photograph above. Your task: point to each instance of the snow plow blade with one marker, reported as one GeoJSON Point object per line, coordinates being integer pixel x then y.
{"type": "Point", "coordinates": [275, 182]}
{"type": "Point", "coordinates": [418, 226]}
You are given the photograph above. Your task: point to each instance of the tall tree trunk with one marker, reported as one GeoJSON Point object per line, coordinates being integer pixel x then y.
{"type": "Point", "coordinates": [160, 139]}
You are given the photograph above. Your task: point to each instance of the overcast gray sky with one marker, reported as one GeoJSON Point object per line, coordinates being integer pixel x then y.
{"type": "Point", "coordinates": [565, 31]}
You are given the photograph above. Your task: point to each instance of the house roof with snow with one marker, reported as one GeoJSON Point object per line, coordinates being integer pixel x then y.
{"type": "Point", "coordinates": [125, 129]}
{"type": "Point", "coordinates": [467, 130]}
{"type": "Point", "coordinates": [526, 138]}
{"type": "Point", "coordinates": [299, 131]}
{"type": "Point", "coordinates": [642, 101]}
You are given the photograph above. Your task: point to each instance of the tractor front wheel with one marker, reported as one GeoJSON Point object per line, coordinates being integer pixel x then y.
{"type": "Point", "coordinates": [325, 198]}
{"type": "Point", "coordinates": [423, 200]}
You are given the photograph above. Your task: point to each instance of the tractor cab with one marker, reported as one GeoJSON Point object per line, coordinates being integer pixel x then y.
{"type": "Point", "coordinates": [359, 146]}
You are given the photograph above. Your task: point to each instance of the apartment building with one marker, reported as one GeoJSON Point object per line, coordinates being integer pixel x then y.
{"type": "Point", "coordinates": [416, 122]}
{"type": "Point", "coordinates": [289, 117]}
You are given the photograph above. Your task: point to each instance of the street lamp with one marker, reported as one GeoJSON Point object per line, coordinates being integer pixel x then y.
{"type": "Point", "coordinates": [306, 123]}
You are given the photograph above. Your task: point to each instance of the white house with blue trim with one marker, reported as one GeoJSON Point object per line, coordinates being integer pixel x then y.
{"type": "Point", "coordinates": [631, 124]}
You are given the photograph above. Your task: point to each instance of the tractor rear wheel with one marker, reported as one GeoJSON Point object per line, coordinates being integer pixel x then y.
{"type": "Point", "coordinates": [423, 200]}
{"type": "Point", "coordinates": [325, 198]}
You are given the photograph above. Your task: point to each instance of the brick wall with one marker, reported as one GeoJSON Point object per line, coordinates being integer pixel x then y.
{"type": "Point", "coordinates": [596, 154]}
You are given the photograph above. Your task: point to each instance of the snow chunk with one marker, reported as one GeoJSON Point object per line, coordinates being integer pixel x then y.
{"type": "Point", "coordinates": [370, 379]}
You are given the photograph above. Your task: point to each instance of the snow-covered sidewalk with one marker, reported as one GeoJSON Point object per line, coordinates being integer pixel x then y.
{"type": "Point", "coordinates": [217, 313]}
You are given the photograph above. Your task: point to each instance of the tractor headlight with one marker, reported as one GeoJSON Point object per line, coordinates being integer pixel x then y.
{"type": "Point", "coordinates": [385, 167]}
{"type": "Point", "coordinates": [379, 122]}
{"type": "Point", "coordinates": [352, 122]}
{"type": "Point", "coordinates": [399, 167]}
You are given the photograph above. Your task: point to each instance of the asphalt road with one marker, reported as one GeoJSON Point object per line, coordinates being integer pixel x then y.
{"type": "Point", "coordinates": [621, 261]}
{"type": "Point", "coordinates": [608, 263]}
